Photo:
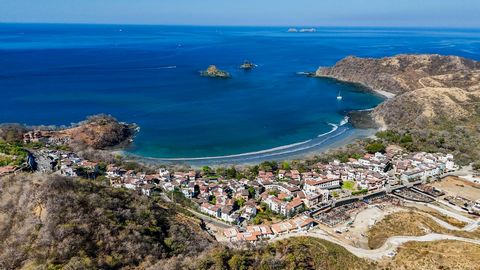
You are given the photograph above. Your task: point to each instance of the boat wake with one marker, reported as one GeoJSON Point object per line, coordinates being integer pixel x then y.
{"type": "Point", "coordinates": [167, 67]}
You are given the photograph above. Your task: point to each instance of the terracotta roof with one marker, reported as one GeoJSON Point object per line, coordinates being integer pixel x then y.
{"type": "Point", "coordinates": [231, 232]}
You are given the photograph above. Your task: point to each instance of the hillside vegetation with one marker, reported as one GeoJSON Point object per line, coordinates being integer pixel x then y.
{"type": "Point", "coordinates": [294, 253]}
{"type": "Point", "coordinates": [52, 222]}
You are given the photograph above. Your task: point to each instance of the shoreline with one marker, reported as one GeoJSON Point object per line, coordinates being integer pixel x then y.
{"type": "Point", "coordinates": [339, 138]}
{"type": "Point", "coordinates": [384, 94]}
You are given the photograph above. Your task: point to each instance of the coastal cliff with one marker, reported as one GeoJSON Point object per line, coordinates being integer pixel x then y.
{"type": "Point", "coordinates": [433, 96]}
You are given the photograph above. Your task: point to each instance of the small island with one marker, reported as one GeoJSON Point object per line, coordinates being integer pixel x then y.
{"type": "Point", "coordinates": [213, 72]}
{"type": "Point", "coordinates": [247, 65]}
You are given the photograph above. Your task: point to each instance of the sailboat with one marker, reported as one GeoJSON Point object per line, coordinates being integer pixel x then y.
{"type": "Point", "coordinates": [339, 96]}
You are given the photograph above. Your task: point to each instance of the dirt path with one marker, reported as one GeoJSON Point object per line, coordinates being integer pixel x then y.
{"type": "Point", "coordinates": [386, 249]}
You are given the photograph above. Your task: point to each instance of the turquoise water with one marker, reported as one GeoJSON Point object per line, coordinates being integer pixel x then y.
{"type": "Point", "coordinates": [149, 75]}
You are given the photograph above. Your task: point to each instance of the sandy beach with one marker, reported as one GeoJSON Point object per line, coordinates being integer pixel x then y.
{"type": "Point", "coordinates": [341, 137]}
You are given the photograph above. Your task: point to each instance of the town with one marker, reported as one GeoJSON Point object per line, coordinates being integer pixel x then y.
{"type": "Point", "coordinates": [282, 200]}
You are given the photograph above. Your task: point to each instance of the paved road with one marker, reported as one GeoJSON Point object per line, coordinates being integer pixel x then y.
{"type": "Point", "coordinates": [203, 217]}
{"type": "Point", "coordinates": [208, 219]}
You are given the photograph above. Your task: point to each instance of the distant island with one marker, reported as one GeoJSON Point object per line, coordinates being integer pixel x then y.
{"type": "Point", "coordinates": [303, 30]}
{"type": "Point", "coordinates": [247, 65]}
{"type": "Point", "coordinates": [213, 72]}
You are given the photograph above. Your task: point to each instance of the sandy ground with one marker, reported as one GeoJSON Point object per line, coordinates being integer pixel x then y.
{"type": "Point", "coordinates": [454, 186]}
{"type": "Point", "coordinates": [355, 233]}
{"type": "Point", "coordinates": [467, 173]}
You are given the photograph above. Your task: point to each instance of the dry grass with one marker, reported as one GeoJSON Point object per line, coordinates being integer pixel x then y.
{"type": "Point", "coordinates": [455, 186]}
{"type": "Point", "coordinates": [435, 255]}
{"type": "Point", "coordinates": [450, 220]}
{"type": "Point", "coordinates": [409, 224]}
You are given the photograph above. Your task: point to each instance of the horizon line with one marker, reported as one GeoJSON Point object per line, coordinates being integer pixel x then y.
{"type": "Point", "coordinates": [240, 25]}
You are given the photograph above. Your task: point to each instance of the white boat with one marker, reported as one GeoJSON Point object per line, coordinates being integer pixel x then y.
{"type": "Point", "coordinates": [339, 96]}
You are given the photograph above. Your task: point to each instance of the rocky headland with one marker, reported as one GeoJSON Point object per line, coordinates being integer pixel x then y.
{"type": "Point", "coordinates": [434, 96]}
{"type": "Point", "coordinates": [213, 72]}
{"type": "Point", "coordinates": [97, 132]}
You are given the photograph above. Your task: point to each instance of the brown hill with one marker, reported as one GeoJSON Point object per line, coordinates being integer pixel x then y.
{"type": "Point", "coordinates": [99, 132]}
{"type": "Point", "coordinates": [52, 222]}
{"type": "Point", "coordinates": [436, 97]}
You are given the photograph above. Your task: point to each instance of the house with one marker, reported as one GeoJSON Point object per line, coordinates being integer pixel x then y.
{"type": "Point", "coordinates": [412, 175]}
{"type": "Point", "coordinates": [164, 174]}
{"type": "Point", "coordinates": [147, 189]}
{"type": "Point", "coordinates": [275, 204]}
{"type": "Point", "coordinates": [263, 231]}
{"type": "Point", "coordinates": [303, 223]}
{"type": "Point", "coordinates": [211, 210]}
{"type": "Point", "coordinates": [292, 207]}
{"type": "Point", "coordinates": [312, 199]}
{"type": "Point", "coordinates": [282, 227]}
{"type": "Point", "coordinates": [317, 184]}
{"type": "Point", "coordinates": [226, 213]}
{"type": "Point", "coordinates": [251, 208]}
{"type": "Point", "coordinates": [231, 233]}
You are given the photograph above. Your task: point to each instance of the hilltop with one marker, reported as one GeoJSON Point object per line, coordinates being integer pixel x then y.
{"type": "Point", "coordinates": [434, 97]}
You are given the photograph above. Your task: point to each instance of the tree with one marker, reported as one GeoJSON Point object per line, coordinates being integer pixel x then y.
{"type": "Point", "coordinates": [375, 147]}
{"type": "Point", "coordinates": [240, 202]}
{"type": "Point", "coordinates": [220, 171]}
{"type": "Point", "coordinates": [251, 192]}
{"type": "Point", "coordinates": [286, 165]}
{"type": "Point", "coordinates": [212, 200]}
{"type": "Point", "coordinates": [206, 170]}
{"type": "Point", "coordinates": [231, 172]}
{"type": "Point", "coordinates": [269, 166]}
{"type": "Point", "coordinates": [476, 165]}
{"type": "Point", "coordinates": [406, 139]}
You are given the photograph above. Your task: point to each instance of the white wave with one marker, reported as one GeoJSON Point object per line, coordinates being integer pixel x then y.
{"type": "Point", "coordinates": [243, 154]}
{"type": "Point", "coordinates": [344, 121]}
{"type": "Point", "coordinates": [335, 127]}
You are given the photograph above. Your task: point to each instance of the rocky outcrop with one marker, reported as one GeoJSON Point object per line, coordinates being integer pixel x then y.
{"type": "Point", "coordinates": [428, 89]}
{"type": "Point", "coordinates": [213, 72]}
{"type": "Point", "coordinates": [247, 65]}
{"type": "Point", "coordinates": [99, 132]}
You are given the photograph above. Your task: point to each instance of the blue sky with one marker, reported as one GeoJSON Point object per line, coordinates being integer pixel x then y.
{"type": "Point", "coordinates": [439, 13]}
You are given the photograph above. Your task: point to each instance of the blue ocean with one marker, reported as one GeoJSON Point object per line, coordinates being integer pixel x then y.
{"type": "Point", "coordinates": [149, 75]}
